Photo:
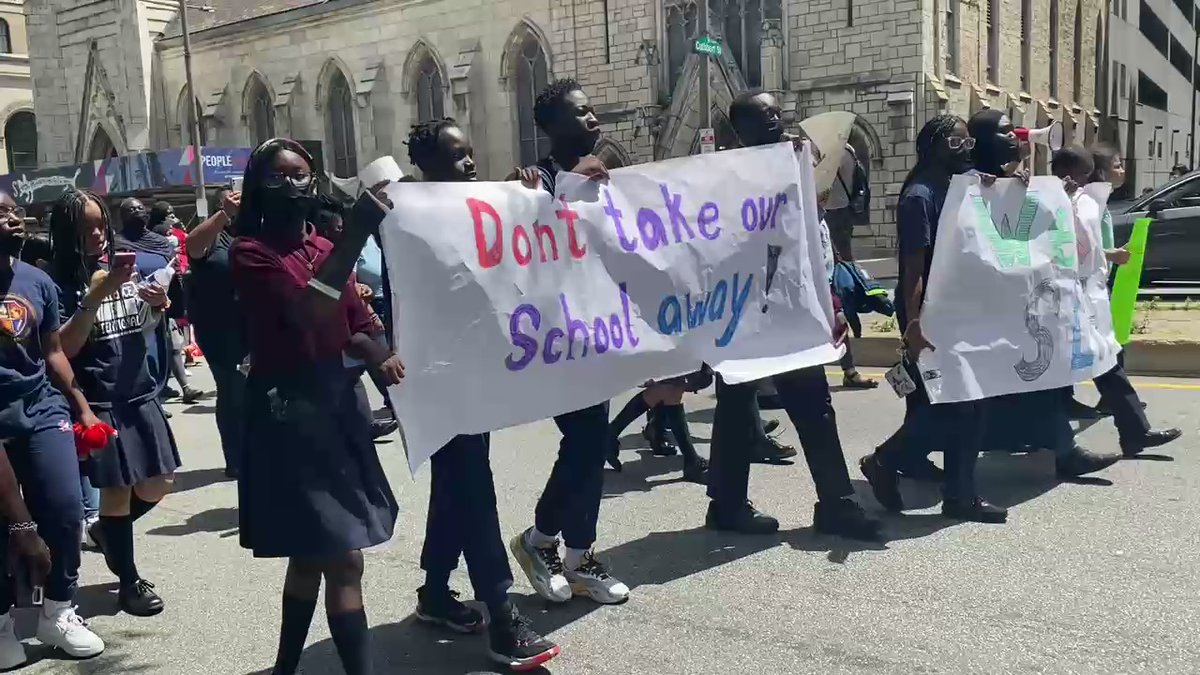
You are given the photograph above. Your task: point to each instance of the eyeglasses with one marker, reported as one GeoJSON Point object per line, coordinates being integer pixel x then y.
{"type": "Point", "coordinates": [6, 211]}
{"type": "Point", "coordinates": [299, 181]}
{"type": "Point", "coordinates": [956, 142]}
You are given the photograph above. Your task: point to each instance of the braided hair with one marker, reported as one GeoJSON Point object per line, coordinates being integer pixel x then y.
{"type": "Point", "coordinates": [423, 141]}
{"type": "Point", "coordinates": [69, 264]}
{"type": "Point", "coordinates": [250, 216]}
{"type": "Point", "coordinates": [934, 133]}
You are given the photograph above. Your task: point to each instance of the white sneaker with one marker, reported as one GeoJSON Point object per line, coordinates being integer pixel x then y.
{"type": "Point", "coordinates": [12, 653]}
{"type": "Point", "coordinates": [59, 626]}
{"type": "Point", "coordinates": [543, 566]}
{"type": "Point", "coordinates": [592, 579]}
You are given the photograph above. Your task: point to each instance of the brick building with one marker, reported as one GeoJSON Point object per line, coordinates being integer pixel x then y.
{"type": "Point", "coordinates": [18, 126]}
{"type": "Point", "coordinates": [356, 73]}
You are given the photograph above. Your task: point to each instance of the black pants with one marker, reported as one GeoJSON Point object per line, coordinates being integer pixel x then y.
{"type": "Point", "coordinates": [1118, 394]}
{"type": "Point", "coordinates": [463, 520]}
{"type": "Point", "coordinates": [736, 424]}
{"type": "Point", "coordinates": [383, 308]}
{"type": "Point", "coordinates": [955, 428]}
{"type": "Point", "coordinates": [231, 401]}
{"type": "Point", "coordinates": [570, 503]}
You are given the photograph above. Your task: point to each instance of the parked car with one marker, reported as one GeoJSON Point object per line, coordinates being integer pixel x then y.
{"type": "Point", "coordinates": [1173, 246]}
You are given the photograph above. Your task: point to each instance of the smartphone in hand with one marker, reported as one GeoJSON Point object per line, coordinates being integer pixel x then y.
{"type": "Point", "coordinates": [124, 259]}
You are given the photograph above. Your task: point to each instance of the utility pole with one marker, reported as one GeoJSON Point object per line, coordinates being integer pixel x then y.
{"type": "Point", "coordinates": [194, 117]}
{"type": "Point", "coordinates": [1192, 128]}
{"type": "Point", "coordinates": [702, 29]}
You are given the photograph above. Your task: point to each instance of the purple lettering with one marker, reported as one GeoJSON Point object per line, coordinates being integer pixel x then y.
{"type": "Point", "coordinates": [573, 326]}
{"type": "Point", "coordinates": [615, 332]}
{"type": "Point", "coordinates": [675, 215]}
{"type": "Point", "coordinates": [527, 343]}
{"type": "Point", "coordinates": [749, 215]}
{"type": "Point", "coordinates": [708, 216]}
{"type": "Point", "coordinates": [549, 355]}
{"type": "Point", "coordinates": [651, 227]}
{"type": "Point", "coordinates": [611, 210]}
{"type": "Point", "coordinates": [600, 331]}
{"type": "Point", "coordinates": [633, 341]}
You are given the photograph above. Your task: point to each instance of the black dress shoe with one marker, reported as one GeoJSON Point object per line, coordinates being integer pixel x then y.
{"type": "Point", "coordinates": [844, 518]}
{"type": "Point", "coordinates": [885, 483]}
{"type": "Point", "coordinates": [744, 519]}
{"type": "Point", "coordinates": [139, 599]}
{"type": "Point", "coordinates": [770, 426]}
{"type": "Point", "coordinates": [1077, 410]}
{"type": "Point", "coordinates": [1152, 439]}
{"type": "Point", "coordinates": [613, 454]}
{"type": "Point", "coordinates": [923, 470]}
{"type": "Point", "coordinates": [383, 427]}
{"type": "Point", "coordinates": [771, 451]}
{"type": "Point", "coordinates": [696, 472]}
{"type": "Point", "coordinates": [1080, 461]}
{"type": "Point", "coordinates": [662, 441]}
{"type": "Point", "coordinates": [977, 511]}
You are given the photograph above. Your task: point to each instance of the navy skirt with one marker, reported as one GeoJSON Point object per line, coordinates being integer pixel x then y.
{"type": "Point", "coordinates": [311, 484]}
{"type": "Point", "coordinates": [144, 446]}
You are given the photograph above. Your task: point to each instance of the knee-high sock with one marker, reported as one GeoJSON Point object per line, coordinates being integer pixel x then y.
{"type": "Point", "coordinates": [293, 631]}
{"type": "Point", "coordinates": [352, 640]}
{"type": "Point", "coordinates": [632, 410]}
{"type": "Point", "coordinates": [674, 418]}
{"type": "Point", "coordinates": [118, 547]}
{"type": "Point", "coordinates": [139, 507]}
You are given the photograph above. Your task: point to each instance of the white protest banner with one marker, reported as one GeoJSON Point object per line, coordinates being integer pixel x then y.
{"type": "Point", "coordinates": [1091, 211]}
{"type": "Point", "coordinates": [1004, 303]}
{"type": "Point", "coordinates": [511, 306]}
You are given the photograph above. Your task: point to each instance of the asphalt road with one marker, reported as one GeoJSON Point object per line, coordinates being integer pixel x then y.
{"type": "Point", "coordinates": [1088, 578]}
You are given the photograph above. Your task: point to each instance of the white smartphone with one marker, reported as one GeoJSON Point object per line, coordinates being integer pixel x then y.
{"type": "Point", "coordinates": [236, 184]}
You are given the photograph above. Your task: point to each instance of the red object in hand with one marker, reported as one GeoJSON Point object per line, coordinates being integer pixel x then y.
{"type": "Point", "coordinates": [89, 440]}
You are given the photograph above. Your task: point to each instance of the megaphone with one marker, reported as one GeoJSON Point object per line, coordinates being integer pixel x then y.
{"type": "Point", "coordinates": [1050, 136]}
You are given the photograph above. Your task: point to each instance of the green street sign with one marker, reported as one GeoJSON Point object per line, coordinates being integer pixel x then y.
{"type": "Point", "coordinates": [707, 45]}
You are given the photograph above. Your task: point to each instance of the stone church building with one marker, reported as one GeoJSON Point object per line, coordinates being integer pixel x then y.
{"type": "Point", "coordinates": [355, 74]}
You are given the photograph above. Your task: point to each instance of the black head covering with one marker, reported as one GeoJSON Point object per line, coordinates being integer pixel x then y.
{"type": "Point", "coordinates": [990, 155]}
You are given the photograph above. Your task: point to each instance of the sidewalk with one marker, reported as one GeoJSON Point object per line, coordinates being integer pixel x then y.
{"type": "Point", "coordinates": [1165, 341]}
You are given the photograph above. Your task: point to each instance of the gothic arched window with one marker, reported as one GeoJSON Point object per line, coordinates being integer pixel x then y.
{"type": "Point", "coordinates": [20, 140]}
{"type": "Point", "coordinates": [431, 101]}
{"type": "Point", "coordinates": [531, 78]}
{"type": "Point", "coordinates": [342, 140]}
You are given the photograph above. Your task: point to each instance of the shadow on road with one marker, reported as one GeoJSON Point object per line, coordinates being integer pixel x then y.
{"type": "Point", "coordinates": [200, 478]}
{"type": "Point", "coordinates": [212, 520]}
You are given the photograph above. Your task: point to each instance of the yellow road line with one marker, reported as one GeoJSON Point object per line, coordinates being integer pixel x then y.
{"type": "Point", "coordinates": [836, 374]}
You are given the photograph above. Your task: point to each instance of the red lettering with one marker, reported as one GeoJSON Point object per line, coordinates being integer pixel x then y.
{"type": "Point", "coordinates": [578, 250]}
{"type": "Point", "coordinates": [544, 232]}
{"type": "Point", "coordinates": [489, 256]}
{"type": "Point", "coordinates": [522, 257]}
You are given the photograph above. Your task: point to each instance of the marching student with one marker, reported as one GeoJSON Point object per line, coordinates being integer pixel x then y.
{"type": "Point", "coordinates": [665, 399]}
{"type": "Point", "coordinates": [1117, 394]}
{"type": "Point", "coordinates": [106, 309]}
{"type": "Point", "coordinates": [311, 488]}
{"type": "Point", "coordinates": [38, 395]}
{"type": "Point", "coordinates": [215, 315]}
{"type": "Point", "coordinates": [757, 120]}
{"type": "Point", "coordinates": [943, 150]}
{"type": "Point", "coordinates": [462, 518]}
{"type": "Point", "coordinates": [570, 503]}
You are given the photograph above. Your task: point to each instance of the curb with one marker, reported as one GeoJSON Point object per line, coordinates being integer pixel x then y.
{"type": "Point", "coordinates": [1158, 358]}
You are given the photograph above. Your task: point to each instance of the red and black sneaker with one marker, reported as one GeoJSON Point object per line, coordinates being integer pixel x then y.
{"type": "Point", "coordinates": [514, 643]}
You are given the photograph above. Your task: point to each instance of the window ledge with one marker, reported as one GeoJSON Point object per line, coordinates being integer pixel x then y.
{"type": "Point", "coordinates": [1025, 96]}
{"type": "Point", "coordinates": [1076, 109]}
{"type": "Point", "coordinates": [950, 78]}
{"type": "Point", "coordinates": [991, 89]}
{"type": "Point", "coordinates": [1053, 102]}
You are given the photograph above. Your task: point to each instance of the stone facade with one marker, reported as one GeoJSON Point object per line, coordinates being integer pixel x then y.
{"type": "Point", "coordinates": [882, 59]}
{"type": "Point", "coordinates": [17, 123]}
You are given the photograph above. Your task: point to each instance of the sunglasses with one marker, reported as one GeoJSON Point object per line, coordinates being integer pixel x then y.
{"type": "Point", "coordinates": [299, 181]}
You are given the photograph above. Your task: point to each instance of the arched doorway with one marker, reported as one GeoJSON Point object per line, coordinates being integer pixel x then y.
{"type": "Point", "coordinates": [102, 146]}
{"type": "Point", "coordinates": [20, 140]}
{"type": "Point", "coordinates": [865, 144]}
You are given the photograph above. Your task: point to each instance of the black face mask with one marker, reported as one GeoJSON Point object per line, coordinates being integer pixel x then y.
{"type": "Point", "coordinates": [287, 203]}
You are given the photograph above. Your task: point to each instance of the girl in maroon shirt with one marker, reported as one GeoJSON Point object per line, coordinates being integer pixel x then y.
{"type": "Point", "coordinates": [311, 488]}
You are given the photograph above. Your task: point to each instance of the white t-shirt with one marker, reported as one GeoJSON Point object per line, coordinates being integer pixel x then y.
{"type": "Point", "coordinates": [827, 250]}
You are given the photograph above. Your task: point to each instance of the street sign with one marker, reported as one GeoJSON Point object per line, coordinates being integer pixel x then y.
{"type": "Point", "coordinates": [707, 45]}
{"type": "Point", "coordinates": [708, 140]}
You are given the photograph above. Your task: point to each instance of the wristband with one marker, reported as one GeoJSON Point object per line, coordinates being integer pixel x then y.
{"type": "Point", "coordinates": [84, 306]}
{"type": "Point", "coordinates": [27, 526]}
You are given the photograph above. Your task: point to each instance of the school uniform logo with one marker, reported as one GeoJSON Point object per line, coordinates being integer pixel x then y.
{"type": "Point", "coordinates": [16, 317]}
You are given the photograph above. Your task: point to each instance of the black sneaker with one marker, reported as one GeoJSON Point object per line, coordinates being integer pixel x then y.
{"type": "Point", "coordinates": [139, 599]}
{"type": "Point", "coordinates": [744, 519]}
{"type": "Point", "coordinates": [844, 518]}
{"type": "Point", "coordinates": [191, 395]}
{"type": "Point", "coordinates": [515, 644]}
{"type": "Point", "coordinates": [771, 451]}
{"type": "Point", "coordinates": [921, 469]}
{"type": "Point", "coordinates": [442, 608]}
{"type": "Point", "coordinates": [885, 483]}
{"type": "Point", "coordinates": [662, 441]}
